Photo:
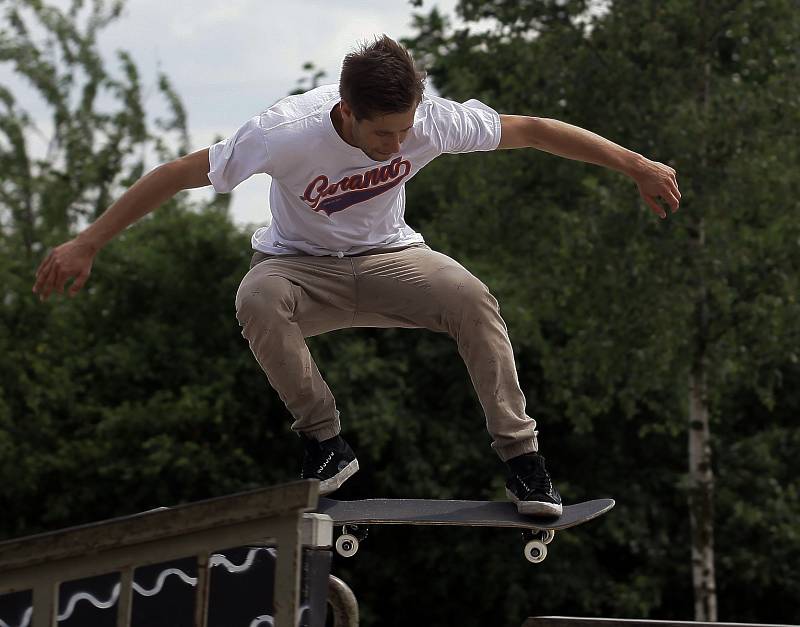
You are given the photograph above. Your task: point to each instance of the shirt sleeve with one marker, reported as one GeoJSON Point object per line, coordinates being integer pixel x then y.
{"type": "Point", "coordinates": [464, 127]}
{"type": "Point", "coordinates": [237, 158]}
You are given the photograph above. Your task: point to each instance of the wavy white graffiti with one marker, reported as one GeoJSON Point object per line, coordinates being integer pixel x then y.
{"type": "Point", "coordinates": [162, 576]}
{"type": "Point", "coordinates": [26, 619]}
{"type": "Point", "coordinates": [221, 560]}
{"type": "Point", "coordinates": [85, 596]}
{"type": "Point", "coordinates": [215, 560]}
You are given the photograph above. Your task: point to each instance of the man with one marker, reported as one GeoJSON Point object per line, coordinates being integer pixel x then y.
{"type": "Point", "coordinates": [339, 253]}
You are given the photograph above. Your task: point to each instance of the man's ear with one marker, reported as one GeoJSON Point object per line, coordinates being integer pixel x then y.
{"type": "Point", "coordinates": [345, 109]}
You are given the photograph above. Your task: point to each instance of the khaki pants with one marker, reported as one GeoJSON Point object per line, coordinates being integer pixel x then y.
{"type": "Point", "coordinates": [284, 299]}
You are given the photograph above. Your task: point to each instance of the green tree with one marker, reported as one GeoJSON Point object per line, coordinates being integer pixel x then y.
{"type": "Point", "coordinates": [130, 395]}
{"type": "Point", "coordinates": [92, 151]}
{"type": "Point", "coordinates": [312, 79]}
{"type": "Point", "coordinates": [653, 325]}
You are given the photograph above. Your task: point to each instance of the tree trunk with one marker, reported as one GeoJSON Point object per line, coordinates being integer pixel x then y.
{"type": "Point", "coordinates": [701, 497]}
{"type": "Point", "coordinates": [701, 474]}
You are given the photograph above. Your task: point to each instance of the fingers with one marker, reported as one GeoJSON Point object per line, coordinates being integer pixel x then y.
{"type": "Point", "coordinates": [670, 195]}
{"type": "Point", "coordinates": [79, 282]}
{"type": "Point", "coordinates": [60, 280]}
{"type": "Point", "coordinates": [659, 184]}
{"type": "Point", "coordinates": [48, 283]}
{"type": "Point", "coordinates": [675, 193]}
{"type": "Point", "coordinates": [46, 262]}
{"type": "Point", "coordinates": [54, 272]}
{"type": "Point", "coordinates": [55, 280]}
{"type": "Point", "coordinates": [668, 199]}
{"type": "Point", "coordinates": [672, 199]}
{"type": "Point", "coordinates": [654, 206]}
{"type": "Point", "coordinates": [44, 277]}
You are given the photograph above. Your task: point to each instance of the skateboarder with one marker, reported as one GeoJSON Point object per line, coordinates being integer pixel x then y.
{"type": "Point", "coordinates": [339, 253]}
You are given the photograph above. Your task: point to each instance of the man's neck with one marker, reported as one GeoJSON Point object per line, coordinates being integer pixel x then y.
{"type": "Point", "coordinates": [339, 124]}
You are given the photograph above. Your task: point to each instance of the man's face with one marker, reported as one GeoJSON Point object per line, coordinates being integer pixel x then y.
{"type": "Point", "coordinates": [380, 136]}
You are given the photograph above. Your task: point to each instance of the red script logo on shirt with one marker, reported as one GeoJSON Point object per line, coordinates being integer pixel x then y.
{"type": "Point", "coordinates": [322, 195]}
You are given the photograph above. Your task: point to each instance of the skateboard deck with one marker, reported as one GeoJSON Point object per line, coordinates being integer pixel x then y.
{"type": "Point", "coordinates": [538, 531]}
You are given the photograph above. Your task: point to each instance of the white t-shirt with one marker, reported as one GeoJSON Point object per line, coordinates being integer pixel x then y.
{"type": "Point", "coordinates": [328, 197]}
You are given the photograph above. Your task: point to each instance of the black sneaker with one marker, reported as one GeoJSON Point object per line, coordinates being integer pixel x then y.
{"type": "Point", "coordinates": [530, 486]}
{"type": "Point", "coordinates": [331, 461]}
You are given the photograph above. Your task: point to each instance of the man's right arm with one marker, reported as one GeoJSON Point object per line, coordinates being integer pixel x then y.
{"type": "Point", "coordinates": [74, 258]}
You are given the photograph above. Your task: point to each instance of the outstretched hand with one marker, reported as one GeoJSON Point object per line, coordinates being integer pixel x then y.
{"type": "Point", "coordinates": [71, 260]}
{"type": "Point", "coordinates": [657, 181]}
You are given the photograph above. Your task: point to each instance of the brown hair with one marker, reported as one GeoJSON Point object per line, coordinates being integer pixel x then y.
{"type": "Point", "coordinates": [380, 77]}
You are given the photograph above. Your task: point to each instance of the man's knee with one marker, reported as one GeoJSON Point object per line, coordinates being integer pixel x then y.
{"type": "Point", "coordinates": [461, 290]}
{"type": "Point", "coordinates": [263, 297]}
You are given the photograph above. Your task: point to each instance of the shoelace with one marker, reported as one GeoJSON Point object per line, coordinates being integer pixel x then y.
{"type": "Point", "coordinates": [539, 483]}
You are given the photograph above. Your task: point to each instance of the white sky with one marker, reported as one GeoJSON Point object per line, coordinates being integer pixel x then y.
{"type": "Point", "coordinates": [230, 59]}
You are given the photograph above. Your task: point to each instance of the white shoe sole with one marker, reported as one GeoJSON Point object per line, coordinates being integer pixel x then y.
{"type": "Point", "coordinates": [335, 482]}
{"type": "Point", "coordinates": [535, 508]}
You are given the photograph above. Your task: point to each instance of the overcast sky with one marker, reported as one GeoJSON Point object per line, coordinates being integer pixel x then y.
{"type": "Point", "coordinates": [230, 59]}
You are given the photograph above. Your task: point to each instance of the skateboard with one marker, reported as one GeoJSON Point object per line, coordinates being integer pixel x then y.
{"type": "Point", "coordinates": [355, 517]}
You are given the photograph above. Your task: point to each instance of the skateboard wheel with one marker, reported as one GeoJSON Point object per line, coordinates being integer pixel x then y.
{"type": "Point", "coordinates": [535, 551]}
{"type": "Point", "coordinates": [547, 535]}
{"type": "Point", "coordinates": [346, 545]}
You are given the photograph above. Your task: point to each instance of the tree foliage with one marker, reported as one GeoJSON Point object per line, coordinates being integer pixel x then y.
{"type": "Point", "coordinates": [121, 397]}
{"type": "Point", "coordinates": [603, 301]}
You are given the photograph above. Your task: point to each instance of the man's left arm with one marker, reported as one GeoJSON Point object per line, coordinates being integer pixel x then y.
{"type": "Point", "coordinates": [654, 180]}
